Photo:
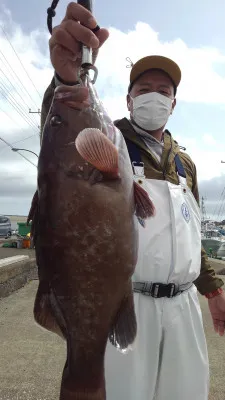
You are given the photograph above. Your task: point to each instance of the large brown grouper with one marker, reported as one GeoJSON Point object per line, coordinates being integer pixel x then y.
{"type": "Point", "coordinates": [85, 235]}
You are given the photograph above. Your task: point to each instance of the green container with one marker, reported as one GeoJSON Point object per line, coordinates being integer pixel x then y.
{"type": "Point", "coordinates": [211, 243]}
{"type": "Point", "coordinates": [23, 228]}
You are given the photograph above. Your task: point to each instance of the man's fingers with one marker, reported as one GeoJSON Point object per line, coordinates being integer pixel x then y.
{"type": "Point", "coordinates": [64, 55]}
{"type": "Point", "coordinates": [67, 39]}
{"type": "Point", "coordinates": [73, 96]}
{"type": "Point", "coordinates": [78, 106]}
{"type": "Point", "coordinates": [77, 32]}
{"type": "Point", "coordinates": [102, 36]}
{"type": "Point", "coordinates": [78, 13]}
{"type": "Point", "coordinates": [81, 33]}
{"type": "Point", "coordinates": [63, 38]}
{"type": "Point", "coordinates": [219, 327]}
{"type": "Point", "coordinates": [71, 93]}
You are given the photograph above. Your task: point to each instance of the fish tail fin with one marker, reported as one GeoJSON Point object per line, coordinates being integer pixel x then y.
{"type": "Point", "coordinates": [124, 329]}
{"type": "Point", "coordinates": [98, 150]}
{"type": "Point", "coordinates": [144, 205]}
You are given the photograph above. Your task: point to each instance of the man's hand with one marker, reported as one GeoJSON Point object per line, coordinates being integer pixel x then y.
{"type": "Point", "coordinates": [217, 309]}
{"type": "Point", "coordinates": [66, 40]}
{"type": "Point", "coordinates": [73, 96]}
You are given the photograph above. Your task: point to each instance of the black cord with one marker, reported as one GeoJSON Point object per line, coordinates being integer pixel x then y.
{"type": "Point", "coordinates": [51, 14]}
{"type": "Point", "coordinates": [86, 4]}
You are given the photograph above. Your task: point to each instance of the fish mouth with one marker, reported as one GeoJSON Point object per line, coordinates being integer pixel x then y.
{"type": "Point", "coordinates": [69, 144]}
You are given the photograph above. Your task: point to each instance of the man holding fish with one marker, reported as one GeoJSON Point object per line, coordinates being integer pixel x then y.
{"type": "Point", "coordinates": [169, 357]}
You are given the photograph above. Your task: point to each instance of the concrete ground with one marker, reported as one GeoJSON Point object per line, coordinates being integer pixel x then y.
{"type": "Point", "coordinates": [32, 359]}
{"type": "Point", "coordinates": [5, 252]}
{"type": "Point", "coordinates": [216, 349]}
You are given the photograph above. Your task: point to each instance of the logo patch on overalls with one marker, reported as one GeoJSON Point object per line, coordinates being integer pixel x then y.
{"type": "Point", "coordinates": [185, 212]}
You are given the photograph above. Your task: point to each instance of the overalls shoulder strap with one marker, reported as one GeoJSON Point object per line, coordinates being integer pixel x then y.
{"type": "Point", "coordinates": [179, 166]}
{"type": "Point", "coordinates": [134, 151]}
{"type": "Point", "coordinates": [135, 157]}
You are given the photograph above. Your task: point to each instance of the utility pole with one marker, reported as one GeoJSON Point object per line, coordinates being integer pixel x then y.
{"type": "Point", "coordinates": [39, 113]}
{"type": "Point", "coordinates": [34, 112]}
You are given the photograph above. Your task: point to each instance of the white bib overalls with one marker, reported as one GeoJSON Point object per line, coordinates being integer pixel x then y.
{"type": "Point", "coordinates": [169, 360]}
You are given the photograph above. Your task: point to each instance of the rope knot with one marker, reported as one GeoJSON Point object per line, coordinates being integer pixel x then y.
{"type": "Point", "coordinates": [51, 13]}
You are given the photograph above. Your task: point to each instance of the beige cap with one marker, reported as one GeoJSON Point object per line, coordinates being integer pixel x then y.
{"type": "Point", "coordinates": [156, 62]}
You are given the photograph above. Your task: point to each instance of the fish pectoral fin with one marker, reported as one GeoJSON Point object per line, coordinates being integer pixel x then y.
{"type": "Point", "coordinates": [43, 313]}
{"type": "Point", "coordinates": [99, 151]}
{"type": "Point", "coordinates": [124, 329]}
{"type": "Point", "coordinates": [144, 205]}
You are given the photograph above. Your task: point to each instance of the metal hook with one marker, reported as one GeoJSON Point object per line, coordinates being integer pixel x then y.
{"type": "Point", "coordinates": [131, 62]}
{"type": "Point", "coordinates": [84, 75]}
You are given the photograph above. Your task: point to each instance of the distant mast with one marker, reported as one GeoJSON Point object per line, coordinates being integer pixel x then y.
{"type": "Point", "coordinates": [203, 213]}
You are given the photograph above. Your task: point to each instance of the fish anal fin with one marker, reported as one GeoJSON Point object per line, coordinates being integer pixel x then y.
{"type": "Point", "coordinates": [33, 207]}
{"type": "Point", "coordinates": [124, 329]}
{"type": "Point", "coordinates": [33, 216]}
{"type": "Point", "coordinates": [144, 205]}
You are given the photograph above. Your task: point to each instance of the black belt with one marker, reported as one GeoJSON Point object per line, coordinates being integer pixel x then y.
{"type": "Point", "coordinates": [158, 290]}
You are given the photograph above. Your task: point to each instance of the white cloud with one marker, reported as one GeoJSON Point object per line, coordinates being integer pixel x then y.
{"type": "Point", "coordinates": [201, 83]}
{"type": "Point", "coordinates": [209, 140]}
{"type": "Point", "coordinates": [206, 158]}
{"type": "Point", "coordinates": [37, 66]}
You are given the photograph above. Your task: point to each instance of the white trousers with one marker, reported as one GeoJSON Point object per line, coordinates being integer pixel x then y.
{"type": "Point", "coordinates": [169, 360]}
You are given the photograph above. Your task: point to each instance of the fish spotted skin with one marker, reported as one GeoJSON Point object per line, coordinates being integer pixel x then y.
{"type": "Point", "coordinates": [86, 241]}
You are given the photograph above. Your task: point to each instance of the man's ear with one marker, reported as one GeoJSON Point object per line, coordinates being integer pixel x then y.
{"type": "Point", "coordinates": [173, 105]}
{"type": "Point", "coordinates": [128, 102]}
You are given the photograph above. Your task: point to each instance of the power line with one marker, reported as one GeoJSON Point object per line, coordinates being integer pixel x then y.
{"type": "Point", "coordinates": [21, 140]}
{"type": "Point", "coordinates": [20, 112]}
{"type": "Point", "coordinates": [9, 116]}
{"type": "Point", "coordinates": [14, 88]}
{"type": "Point", "coordinates": [20, 61]}
{"type": "Point", "coordinates": [221, 205]}
{"type": "Point", "coordinates": [23, 87]}
{"type": "Point", "coordinates": [222, 209]}
{"type": "Point", "coordinates": [16, 107]}
{"type": "Point", "coordinates": [217, 207]}
{"type": "Point", "coordinates": [8, 144]}
{"type": "Point", "coordinates": [18, 141]}
{"type": "Point", "coordinates": [13, 102]}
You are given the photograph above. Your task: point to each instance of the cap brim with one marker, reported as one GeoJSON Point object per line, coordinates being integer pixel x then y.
{"type": "Point", "coordinates": [156, 62]}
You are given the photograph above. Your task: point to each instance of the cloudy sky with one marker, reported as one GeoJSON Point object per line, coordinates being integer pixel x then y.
{"type": "Point", "coordinates": [192, 33]}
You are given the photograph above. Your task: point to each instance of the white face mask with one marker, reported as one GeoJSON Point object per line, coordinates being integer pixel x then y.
{"type": "Point", "coordinates": [151, 111]}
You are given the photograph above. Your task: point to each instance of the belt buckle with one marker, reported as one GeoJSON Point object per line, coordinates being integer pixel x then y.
{"type": "Point", "coordinates": [170, 286]}
{"type": "Point", "coordinates": [138, 168]}
{"type": "Point", "coordinates": [155, 289]}
{"type": "Point", "coordinates": [147, 289]}
{"type": "Point", "coordinates": [173, 291]}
